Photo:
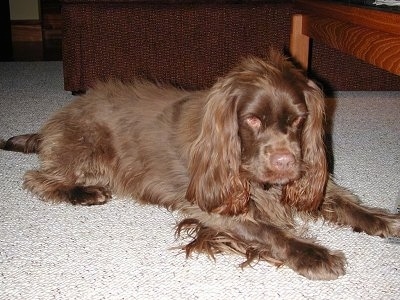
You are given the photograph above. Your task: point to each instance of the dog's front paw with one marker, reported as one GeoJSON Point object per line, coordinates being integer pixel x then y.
{"type": "Point", "coordinates": [383, 224]}
{"type": "Point", "coordinates": [315, 262]}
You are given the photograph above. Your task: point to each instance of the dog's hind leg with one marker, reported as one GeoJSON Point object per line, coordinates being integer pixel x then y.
{"type": "Point", "coordinates": [343, 208]}
{"type": "Point", "coordinates": [77, 163]}
{"type": "Point", "coordinates": [56, 188]}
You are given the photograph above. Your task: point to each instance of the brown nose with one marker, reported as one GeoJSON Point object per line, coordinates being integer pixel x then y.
{"type": "Point", "coordinates": [282, 161]}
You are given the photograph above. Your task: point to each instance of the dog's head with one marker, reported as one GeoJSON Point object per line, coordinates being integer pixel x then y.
{"type": "Point", "coordinates": [263, 123]}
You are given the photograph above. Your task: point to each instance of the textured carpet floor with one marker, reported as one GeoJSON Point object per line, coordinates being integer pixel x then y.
{"type": "Point", "coordinates": [123, 251]}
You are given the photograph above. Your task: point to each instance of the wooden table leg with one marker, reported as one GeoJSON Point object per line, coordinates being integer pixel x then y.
{"type": "Point", "coordinates": [299, 42]}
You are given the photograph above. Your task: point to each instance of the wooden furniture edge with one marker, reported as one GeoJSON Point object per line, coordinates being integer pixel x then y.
{"type": "Point", "coordinates": [373, 41]}
{"type": "Point", "coordinates": [372, 18]}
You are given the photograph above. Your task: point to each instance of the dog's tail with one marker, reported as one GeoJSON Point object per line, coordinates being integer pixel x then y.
{"type": "Point", "coordinates": [26, 143]}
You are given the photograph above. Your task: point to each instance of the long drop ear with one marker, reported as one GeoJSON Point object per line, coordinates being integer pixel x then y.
{"type": "Point", "coordinates": [307, 193]}
{"type": "Point", "coordinates": [214, 158]}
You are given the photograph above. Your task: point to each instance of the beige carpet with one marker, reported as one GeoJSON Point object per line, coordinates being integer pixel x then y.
{"type": "Point", "coordinates": [122, 250]}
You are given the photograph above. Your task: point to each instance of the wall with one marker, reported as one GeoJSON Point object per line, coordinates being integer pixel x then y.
{"type": "Point", "coordinates": [24, 9]}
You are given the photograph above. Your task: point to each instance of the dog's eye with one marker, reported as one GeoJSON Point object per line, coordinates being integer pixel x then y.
{"type": "Point", "coordinates": [253, 122]}
{"type": "Point", "coordinates": [296, 121]}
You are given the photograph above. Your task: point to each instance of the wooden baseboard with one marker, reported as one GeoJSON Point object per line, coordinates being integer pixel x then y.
{"type": "Point", "coordinates": [26, 31]}
{"type": "Point", "coordinates": [52, 26]}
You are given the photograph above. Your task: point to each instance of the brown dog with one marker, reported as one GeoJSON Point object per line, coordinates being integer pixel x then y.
{"type": "Point", "coordinates": [239, 161]}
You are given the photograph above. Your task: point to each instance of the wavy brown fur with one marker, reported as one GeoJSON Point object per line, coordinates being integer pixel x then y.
{"type": "Point", "coordinates": [239, 161]}
{"type": "Point", "coordinates": [210, 241]}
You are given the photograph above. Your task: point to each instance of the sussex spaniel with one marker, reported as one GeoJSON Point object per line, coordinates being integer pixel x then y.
{"type": "Point", "coordinates": [239, 161]}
